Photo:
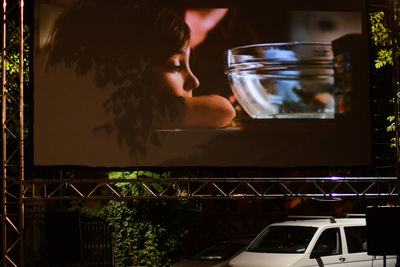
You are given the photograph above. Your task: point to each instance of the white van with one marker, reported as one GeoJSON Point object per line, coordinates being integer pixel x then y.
{"type": "Point", "coordinates": [311, 242]}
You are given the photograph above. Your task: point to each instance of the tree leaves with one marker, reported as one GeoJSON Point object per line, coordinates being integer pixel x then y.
{"type": "Point", "coordinates": [381, 37]}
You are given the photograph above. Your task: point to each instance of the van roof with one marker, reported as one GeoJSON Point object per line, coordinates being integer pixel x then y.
{"type": "Point", "coordinates": [323, 222]}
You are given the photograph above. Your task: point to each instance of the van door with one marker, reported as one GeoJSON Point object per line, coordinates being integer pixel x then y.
{"type": "Point", "coordinates": [356, 252]}
{"type": "Point", "coordinates": [327, 250]}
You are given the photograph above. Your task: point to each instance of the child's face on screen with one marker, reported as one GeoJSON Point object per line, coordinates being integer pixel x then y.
{"type": "Point", "coordinates": [175, 77]}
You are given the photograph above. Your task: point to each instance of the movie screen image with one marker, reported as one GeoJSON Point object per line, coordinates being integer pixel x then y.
{"type": "Point", "coordinates": [245, 83]}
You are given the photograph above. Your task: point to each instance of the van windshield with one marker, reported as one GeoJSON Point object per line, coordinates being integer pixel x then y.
{"type": "Point", "coordinates": [283, 239]}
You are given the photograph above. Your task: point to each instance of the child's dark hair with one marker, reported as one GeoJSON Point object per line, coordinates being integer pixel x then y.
{"type": "Point", "coordinates": [123, 34]}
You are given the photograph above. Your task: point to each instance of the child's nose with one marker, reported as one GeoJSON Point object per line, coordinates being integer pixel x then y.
{"type": "Point", "coordinates": [191, 81]}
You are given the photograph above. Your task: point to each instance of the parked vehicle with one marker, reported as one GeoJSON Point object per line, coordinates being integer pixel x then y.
{"type": "Point", "coordinates": [311, 242]}
{"type": "Point", "coordinates": [217, 255]}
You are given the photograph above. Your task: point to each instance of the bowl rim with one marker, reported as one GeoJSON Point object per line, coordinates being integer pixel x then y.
{"type": "Point", "coordinates": [327, 44]}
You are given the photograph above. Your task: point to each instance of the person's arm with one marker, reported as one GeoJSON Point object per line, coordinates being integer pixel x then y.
{"type": "Point", "coordinates": [209, 111]}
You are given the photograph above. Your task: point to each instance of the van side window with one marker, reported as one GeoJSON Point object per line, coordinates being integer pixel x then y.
{"type": "Point", "coordinates": [356, 237]}
{"type": "Point", "coordinates": [328, 244]}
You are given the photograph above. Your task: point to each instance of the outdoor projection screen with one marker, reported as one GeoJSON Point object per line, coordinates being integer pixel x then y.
{"type": "Point", "coordinates": [85, 114]}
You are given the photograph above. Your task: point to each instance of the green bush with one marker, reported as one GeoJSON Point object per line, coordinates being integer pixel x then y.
{"type": "Point", "coordinates": [144, 232]}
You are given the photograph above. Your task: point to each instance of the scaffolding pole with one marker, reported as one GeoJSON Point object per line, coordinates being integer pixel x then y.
{"type": "Point", "coordinates": [12, 127]}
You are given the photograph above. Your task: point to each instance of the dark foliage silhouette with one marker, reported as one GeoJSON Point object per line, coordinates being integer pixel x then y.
{"type": "Point", "coordinates": [121, 44]}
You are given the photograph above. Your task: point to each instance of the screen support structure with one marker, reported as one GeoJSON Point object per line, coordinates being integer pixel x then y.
{"type": "Point", "coordinates": [317, 188]}
{"type": "Point", "coordinates": [12, 127]}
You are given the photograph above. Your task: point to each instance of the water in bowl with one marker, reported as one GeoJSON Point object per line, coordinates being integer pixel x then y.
{"type": "Point", "coordinates": [292, 80]}
{"type": "Point", "coordinates": [263, 96]}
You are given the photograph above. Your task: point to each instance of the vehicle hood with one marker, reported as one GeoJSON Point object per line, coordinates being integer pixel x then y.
{"type": "Point", "coordinates": [193, 263]}
{"type": "Point", "coordinates": [257, 259]}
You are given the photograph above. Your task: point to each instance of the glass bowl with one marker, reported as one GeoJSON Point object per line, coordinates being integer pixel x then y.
{"type": "Point", "coordinates": [283, 80]}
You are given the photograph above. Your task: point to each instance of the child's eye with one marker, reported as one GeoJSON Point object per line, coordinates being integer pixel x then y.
{"type": "Point", "coordinates": [178, 68]}
{"type": "Point", "coordinates": [174, 67]}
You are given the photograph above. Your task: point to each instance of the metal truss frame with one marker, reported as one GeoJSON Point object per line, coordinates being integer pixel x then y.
{"type": "Point", "coordinates": [324, 188]}
{"type": "Point", "coordinates": [12, 219]}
